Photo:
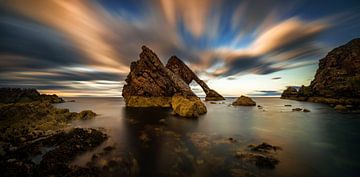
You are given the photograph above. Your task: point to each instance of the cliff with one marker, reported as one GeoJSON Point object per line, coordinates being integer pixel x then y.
{"type": "Point", "coordinates": [337, 80]}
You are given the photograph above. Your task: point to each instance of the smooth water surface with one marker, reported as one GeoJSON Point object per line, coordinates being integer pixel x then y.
{"type": "Point", "coordinates": [319, 143]}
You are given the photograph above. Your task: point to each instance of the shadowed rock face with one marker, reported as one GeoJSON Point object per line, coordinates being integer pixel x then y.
{"type": "Point", "coordinates": [15, 95]}
{"type": "Point", "coordinates": [337, 80]}
{"type": "Point", "coordinates": [184, 72]}
{"type": "Point", "coordinates": [151, 84]}
{"type": "Point", "coordinates": [339, 72]}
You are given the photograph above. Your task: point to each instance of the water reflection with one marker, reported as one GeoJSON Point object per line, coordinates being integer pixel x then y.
{"type": "Point", "coordinates": [320, 143]}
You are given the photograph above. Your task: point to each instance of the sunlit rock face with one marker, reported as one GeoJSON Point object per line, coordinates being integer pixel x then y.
{"type": "Point", "coordinates": [184, 72]}
{"type": "Point", "coordinates": [244, 101]}
{"type": "Point", "coordinates": [151, 84]}
{"type": "Point", "coordinates": [186, 106]}
{"type": "Point", "coordinates": [337, 80]}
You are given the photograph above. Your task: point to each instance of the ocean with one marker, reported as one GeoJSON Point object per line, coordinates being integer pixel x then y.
{"type": "Point", "coordinates": [320, 143]}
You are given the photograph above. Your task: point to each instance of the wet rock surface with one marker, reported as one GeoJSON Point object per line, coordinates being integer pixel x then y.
{"type": "Point", "coordinates": [64, 147]}
{"type": "Point", "coordinates": [244, 101]}
{"type": "Point", "coordinates": [337, 80]}
{"type": "Point", "coordinates": [21, 122]}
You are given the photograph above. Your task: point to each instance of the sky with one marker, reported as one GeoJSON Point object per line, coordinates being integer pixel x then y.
{"type": "Point", "coordinates": [249, 47]}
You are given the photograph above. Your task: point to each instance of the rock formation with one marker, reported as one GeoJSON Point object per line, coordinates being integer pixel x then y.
{"type": "Point", "coordinates": [15, 95]}
{"type": "Point", "coordinates": [337, 80]}
{"type": "Point", "coordinates": [244, 101]}
{"type": "Point", "coordinates": [151, 84]}
{"type": "Point", "coordinates": [184, 72]}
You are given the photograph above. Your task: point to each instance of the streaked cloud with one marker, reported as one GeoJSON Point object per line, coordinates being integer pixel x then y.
{"type": "Point", "coordinates": [73, 45]}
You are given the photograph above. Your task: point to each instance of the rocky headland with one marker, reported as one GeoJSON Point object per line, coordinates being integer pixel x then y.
{"type": "Point", "coordinates": [24, 95]}
{"type": "Point", "coordinates": [337, 80]}
{"type": "Point", "coordinates": [151, 84]}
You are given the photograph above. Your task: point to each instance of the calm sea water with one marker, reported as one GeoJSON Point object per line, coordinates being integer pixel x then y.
{"type": "Point", "coordinates": [319, 143]}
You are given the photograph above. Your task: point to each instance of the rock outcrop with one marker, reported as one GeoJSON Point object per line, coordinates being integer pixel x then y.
{"type": "Point", "coordinates": [337, 80]}
{"type": "Point", "coordinates": [185, 73]}
{"type": "Point", "coordinates": [16, 95]}
{"type": "Point", "coordinates": [244, 101]}
{"type": "Point", "coordinates": [151, 84]}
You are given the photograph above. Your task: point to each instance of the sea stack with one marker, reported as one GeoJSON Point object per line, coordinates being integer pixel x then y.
{"type": "Point", "coordinates": [151, 84]}
{"type": "Point", "coordinates": [186, 74]}
{"type": "Point", "coordinates": [337, 80]}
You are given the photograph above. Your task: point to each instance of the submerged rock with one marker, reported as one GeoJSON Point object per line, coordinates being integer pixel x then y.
{"type": "Point", "coordinates": [337, 80]}
{"type": "Point", "coordinates": [260, 160]}
{"type": "Point", "coordinates": [151, 84]}
{"type": "Point", "coordinates": [306, 110]}
{"type": "Point", "coordinates": [244, 101]}
{"type": "Point", "coordinates": [260, 155]}
{"type": "Point", "coordinates": [263, 147]}
{"type": "Point", "coordinates": [297, 109]}
{"type": "Point", "coordinates": [340, 107]}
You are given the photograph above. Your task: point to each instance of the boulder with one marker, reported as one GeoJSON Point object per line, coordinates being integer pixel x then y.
{"type": "Point", "coordinates": [244, 101]}
{"type": "Point", "coordinates": [187, 106]}
{"type": "Point", "coordinates": [185, 73]}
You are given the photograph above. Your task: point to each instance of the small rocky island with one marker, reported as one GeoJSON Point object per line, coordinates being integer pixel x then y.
{"type": "Point", "coordinates": [151, 84]}
{"type": "Point", "coordinates": [244, 101]}
{"type": "Point", "coordinates": [337, 80]}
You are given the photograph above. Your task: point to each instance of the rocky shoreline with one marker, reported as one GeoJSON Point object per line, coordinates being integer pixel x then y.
{"type": "Point", "coordinates": [336, 82]}
{"type": "Point", "coordinates": [36, 138]}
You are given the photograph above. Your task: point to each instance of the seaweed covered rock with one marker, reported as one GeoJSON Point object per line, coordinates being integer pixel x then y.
{"type": "Point", "coordinates": [151, 84]}
{"type": "Point", "coordinates": [21, 122]}
{"type": "Point", "coordinates": [14, 95]}
{"type": "Point", "coordinates": [63, 147]}
{"type": "Point", "coordinates": [189, 106]}
{"type": "Point", "coordinates": [185, 73]}
{"type": "Point", "coordinates": [337, 80]}
{"type": "Point", "coordinates": [244, 101]}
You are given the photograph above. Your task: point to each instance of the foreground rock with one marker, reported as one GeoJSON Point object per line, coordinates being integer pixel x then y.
{"type": "Point", "coordinates": [20, 122]}
{"type": "Point", "coordinates": [63, 148]}
{"type": "Point", "coordinates": [151, 84]}
{"type": "Point", "coordinates": [244, 101]}
{"type": "Point", "coordinates": [260, 155]}
{"type": "Point", "coordinates": [184, 72]}
{"type": "Point", "coordinates": [337, 80]}
{"type": "Point", "coordinates": [15, 95]}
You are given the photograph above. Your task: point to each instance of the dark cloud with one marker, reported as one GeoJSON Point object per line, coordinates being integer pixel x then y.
{"type": "Point", "coordinates": [266, 93]}
{"type": "Point", "coordinates": [276, 78]}
{"type": "Point", "coordinates": [41, 46]}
